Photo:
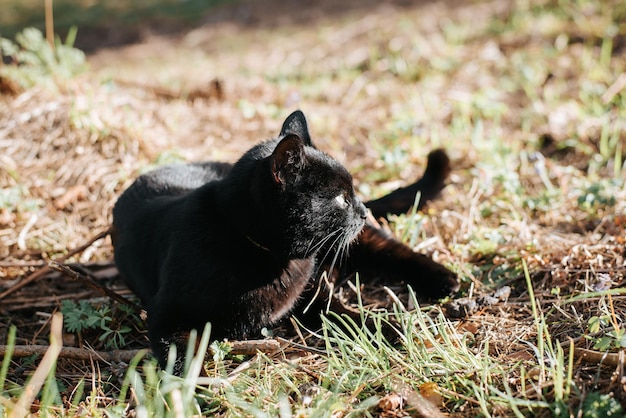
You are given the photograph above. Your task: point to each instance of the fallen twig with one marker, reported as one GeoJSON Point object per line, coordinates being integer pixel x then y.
{"type": "Point", "coordinates": [598, 357]}
{"type": "Point", "coordinates": [38, 302]}
{"type": "Point", "coordinates": [213, 90]}
{"type": "Point", "coordinates": [74, 353]}
{"type": "Point", "coordinates": [251, 347]}
{"type": "Point", "coordinates": [300, 347]}
{"type": "Point", "coordinates": [237, 348]}
{"type": "Point", "coordinates": [91, 282]}
{"type": "Point", "coordinates": [22, 264]}
{"type": "Point", "coordinates": [37, 274]}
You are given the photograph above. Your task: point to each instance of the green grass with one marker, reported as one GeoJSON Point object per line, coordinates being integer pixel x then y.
{"type": "Point", "coordinates": [359, 366]}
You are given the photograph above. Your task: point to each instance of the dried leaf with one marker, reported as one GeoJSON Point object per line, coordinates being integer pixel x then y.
{"type": "Point", "coordinates": [391, 402]}
{"type": "Point", "coordinates": [430, 391]}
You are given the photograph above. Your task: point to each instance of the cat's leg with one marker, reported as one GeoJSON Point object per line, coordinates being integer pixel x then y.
{"type": "Point", "coordinates": [375, 254]}
{"type": "Point", "coordinates": [162, 339]}
{"type": "Point", "coordinates": [378, 254]}
{"type": "Point", "coordinates": [168, 327]}
{"type": "Point", "coordinates": [429, 187]}
{"type": "Point", "coordinates": [161, 343]}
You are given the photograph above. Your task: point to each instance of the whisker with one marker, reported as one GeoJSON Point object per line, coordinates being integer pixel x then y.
{"type": "Point", "coordinates": [330, 249]}
{"type": "Point", "coordinates": [340, 239]}
{"type": "Point", "coordinates": [337, 236]}
{"type": "Point", "coordinates": [328, 237]}
{"type": "Point", "coordinates": [323, 241]}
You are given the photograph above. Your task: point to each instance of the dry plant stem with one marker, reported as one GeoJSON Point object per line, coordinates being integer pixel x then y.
{"type": "Point", "coordinates": [43, 370]}
{"type": "Point", "coordinates": [20, 263]}
{"type": "Point", "coordinates": [37, 274]}
{"type": "Point", "coordinates": [76, 353]}
{"type": "Point", "coordinates": [597, 357]}
{"type": "Point", "coordinates": [242, 368]}
{"type": "Point", "coordinates": [251, 347]}
{"type": "Point", "coordinates": [300, 347]}
{"type": "Point", "coordinates": [20, 303]}
{"type": "Point", "coordinates": [214, 90]}
{"type": "Point", "coordinates": [91, 282]}
{"type": "Point", "coordinates": [73, 353]}
{"type": "Point", "coordinates": [614, 89]}
{"type": "Point", "coordinates": [49, 24]}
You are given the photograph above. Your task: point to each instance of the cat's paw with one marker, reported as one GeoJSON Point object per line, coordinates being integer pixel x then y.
{"type": "Point", "coordinates": [427, 277]}
{"type": "Point", "coordinates": [448, 284]}
{"type": "Point", "coordinates": [438, 284]}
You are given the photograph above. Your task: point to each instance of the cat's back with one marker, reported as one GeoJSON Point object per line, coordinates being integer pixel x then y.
{"type": "Point", "coordinates": [176, 179]}
{"type": "Point", "coordinates": [156, 187]}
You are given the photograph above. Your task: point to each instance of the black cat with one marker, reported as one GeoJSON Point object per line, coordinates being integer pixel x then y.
{"type": "Point", "coordinates": [238, 245]}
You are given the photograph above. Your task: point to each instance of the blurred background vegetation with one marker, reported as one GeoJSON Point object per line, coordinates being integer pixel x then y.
{"type": "Point", "coordinates": [104, 23]}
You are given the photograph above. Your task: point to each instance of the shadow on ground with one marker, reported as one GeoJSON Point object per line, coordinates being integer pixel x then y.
{"type": "Point", "coordinates": [105, 24]}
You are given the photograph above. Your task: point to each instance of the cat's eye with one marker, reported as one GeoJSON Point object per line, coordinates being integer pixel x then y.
{"type": "Point", "coordinates": [341, 200]}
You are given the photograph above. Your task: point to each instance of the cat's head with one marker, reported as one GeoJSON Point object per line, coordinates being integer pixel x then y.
{"type": "Point", "coordinates": [310, 195]}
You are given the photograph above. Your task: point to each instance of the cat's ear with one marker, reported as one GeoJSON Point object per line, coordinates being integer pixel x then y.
{"type": "Point", "coordinates": [288, 159]}
{"type": "Point", "coordinates": [296, 124]}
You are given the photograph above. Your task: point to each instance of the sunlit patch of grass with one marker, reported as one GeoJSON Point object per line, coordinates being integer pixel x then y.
{"type": "Point", "coordinates": [361, 366]}
{"type": "Point", "coordinates": [569, 83]}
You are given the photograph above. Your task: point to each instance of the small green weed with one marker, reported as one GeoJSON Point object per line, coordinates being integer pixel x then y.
{"type": "Point", "coordinates": [605, 330]}
{"type": "Point", "coordinates": [599, 405]}
{"type": "Point", "coordinates": [597, 196]}
{"type": "Point", "coordinates": [34, 61]}
{"type": "Point", "coordinates": [16, 199]}
{"type": "Point", "coordinates": [83, 316]}
{"type": "Point", "coordinates": [613, 339]}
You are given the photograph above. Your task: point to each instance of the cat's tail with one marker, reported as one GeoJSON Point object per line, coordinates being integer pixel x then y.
{"type": "Point", "coordinates": [429, 186]}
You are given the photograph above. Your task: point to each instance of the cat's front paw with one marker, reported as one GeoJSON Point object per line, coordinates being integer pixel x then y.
{"type": "Point", "coordinates": [437, 283]}
{"type": "Point", "coordinates": [428, 278]}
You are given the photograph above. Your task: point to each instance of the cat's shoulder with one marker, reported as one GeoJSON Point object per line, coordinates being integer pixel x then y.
{"type": "Point", "coordinates": [185, 176]}
{"type": "Point", "coordinates": [177, 179]}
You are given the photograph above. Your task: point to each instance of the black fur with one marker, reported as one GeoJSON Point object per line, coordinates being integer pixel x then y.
{"type": "Point", "coordinates": [238, 245]}
{"type": "Point", "coordinates": [429, 186]}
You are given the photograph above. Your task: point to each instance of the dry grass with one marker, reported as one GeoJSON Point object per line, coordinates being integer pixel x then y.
{"type": "Point", "coordinates": [524, 95]}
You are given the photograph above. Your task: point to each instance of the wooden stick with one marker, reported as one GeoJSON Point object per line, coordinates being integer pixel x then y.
{"type": "Point", "coordinates": [251, 347]}
{"type": "Point", "coordinates": [300, 347]}
{"type": "Point", "coordinates": [598, 357]}
{"type": "Point", "coordinates": [20, 263]}
{"type": "Point", "coordinates": [49, 24]}
{"type": "Point", "coordinates": [214, 90]}
{"type": "Point", "coordinates": [238, 348]}
{"type": "Point", "coordinates": [74, 353]}
{"type": "Point", "coordinates": [37, 274]}
{"type": "Point", "coordinates": [91, 282]}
